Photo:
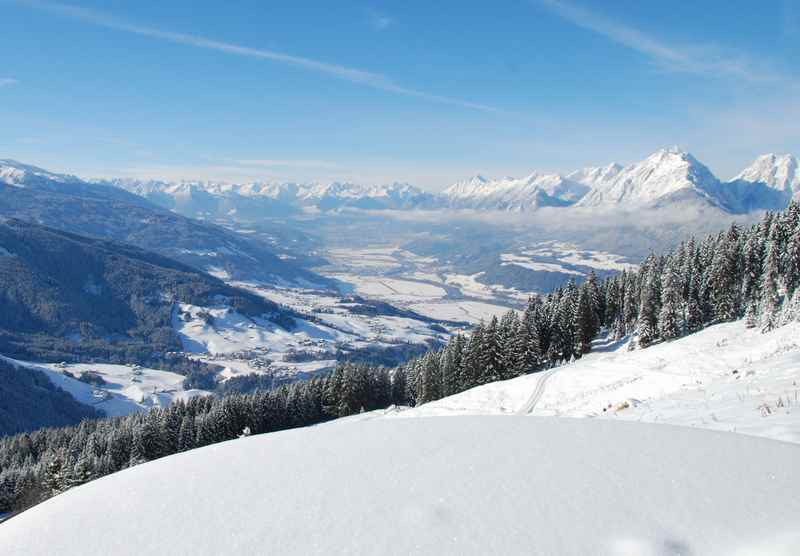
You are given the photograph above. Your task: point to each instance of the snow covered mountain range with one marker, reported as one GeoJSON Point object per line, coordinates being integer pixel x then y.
{"type": "Point", "coordinates": [668, 177]}
{"type": "Point", "coordinates": [70, 204]}
{"type": "Point", "coordinates": [265, 198]}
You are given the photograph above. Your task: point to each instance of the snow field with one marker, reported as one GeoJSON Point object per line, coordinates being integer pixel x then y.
{"type": "Point", "coordinates": [128, 390]}
{"type": "Point", "coordinates": [244, 345]}
{"type": "Point", "coordinates": [473, 485]}
{"type": "Point", "coordinates": [472, 312]}
{"type": "Point", "coordinates": [726, 378]}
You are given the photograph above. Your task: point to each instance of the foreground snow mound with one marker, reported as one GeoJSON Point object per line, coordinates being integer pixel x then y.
{"type": "Point", "coordinates": [470, 485]}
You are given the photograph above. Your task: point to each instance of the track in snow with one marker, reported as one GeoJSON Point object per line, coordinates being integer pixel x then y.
{"type": "Point", "coordinates": [537, 394]}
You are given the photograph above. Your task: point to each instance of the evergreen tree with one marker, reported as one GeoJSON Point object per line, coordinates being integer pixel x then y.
{"type": "Point", "coordinates": [793, 253]}
{"type": "Point", "coordinates": [585, 321]}
{"type": "Point", "coordinates": [670, 323]}
{"type": "Point", "coordinates": [770, 282]}
{"type": "Point", "coordinates": [55, 475]}
{"type": "Point", "coordinates": [399, 396]}
{"type": "Point", "coordinates": [451, 365]}
{"type": "Point", "coordinates": [509, 348]}
{"type": "Point", "coordinates": [725, 275]}
{"type": "Point", "coordinates": [471, 362]}
{"type": "Point", "coordinates": [648, 311]}
{"type": "Point", "coordinates": [186, 434]}
{"type": "Point", "coordinates": [489, 354]}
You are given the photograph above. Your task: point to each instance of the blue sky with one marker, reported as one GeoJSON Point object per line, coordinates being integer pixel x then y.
{"type": "Point", "coordinates": [418, 91]}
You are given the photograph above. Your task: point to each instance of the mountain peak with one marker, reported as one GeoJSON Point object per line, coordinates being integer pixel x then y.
{"type": "Point", "coordinates": [778, 171]}
{"type": "Point", "coordinates": [16, 173]}
{"type": "Point", "coordinates": [671, 153]}
{"type": "Point", "coordinates": [666, 172]}
{"type": "Point", "coordinates": [674, 149]}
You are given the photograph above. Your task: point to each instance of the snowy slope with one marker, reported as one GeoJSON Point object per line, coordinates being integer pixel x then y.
{"type": "Point", "coordinates": [533, 191]}
{"type": "Point", "coordinates": [596, 176]}
{"type": "Point", "coordinates": [726, 377]}
{"type": "Point", "coordinates": [128, 389]}
{"type": "Point", "coordinates": [324, 325]}
{"type": "Point", "coordinates": [474, 485]}
{"type": "Point", "coordinates": [16, 174]}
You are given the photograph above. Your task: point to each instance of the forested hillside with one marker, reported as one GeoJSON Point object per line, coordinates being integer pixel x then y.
{"type": "Point", "coordinates": [67, 297]}
{"type": "Point", "coordinates": [752, 274]}
{"type": "Point", "coordinates": [30, 401]}
{"type": "Point", "coordinates": [73, 205]}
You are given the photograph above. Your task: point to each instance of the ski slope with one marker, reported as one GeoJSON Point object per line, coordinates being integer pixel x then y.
{"type": "Point", "coordinates": [472, 485]}
{"type": "Point", "coordinates": [726, 377]}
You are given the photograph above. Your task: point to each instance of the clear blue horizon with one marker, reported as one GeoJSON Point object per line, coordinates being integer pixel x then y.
{"type": "Point", "coordinates": [427, 93]}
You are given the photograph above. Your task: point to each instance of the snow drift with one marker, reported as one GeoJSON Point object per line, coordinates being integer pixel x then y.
{"type": "Point", "coordinates": [471, 485]}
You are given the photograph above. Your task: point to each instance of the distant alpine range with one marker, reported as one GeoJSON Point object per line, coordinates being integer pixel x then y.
{"type": "Point", "coordinates": [668, 177]}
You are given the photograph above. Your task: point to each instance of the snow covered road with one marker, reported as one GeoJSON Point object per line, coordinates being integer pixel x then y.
{"type": "Point", "coordinates": [537, 393]}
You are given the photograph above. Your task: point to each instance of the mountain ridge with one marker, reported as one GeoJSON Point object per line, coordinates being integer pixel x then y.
{"type": "Point", "coordinates": [69, 297]}
{"type": "Point", "coordinates": [94, 209]}
{"type": "Point", "coordinates": [668, 177]}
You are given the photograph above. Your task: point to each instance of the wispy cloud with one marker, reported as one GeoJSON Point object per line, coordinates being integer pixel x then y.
{"type": "Point", "coordinates": [378, 21]}
{"type": "Point", "coordinates": [790, 17]}
{"type": "Point", "coordinates": [7, 82]}
{"type": "Point", "coordinates": [365, 78]}
{"type": "Point", "coordinates": [285, 163]}
{"type": "Point", "coordinates": [704, 59]}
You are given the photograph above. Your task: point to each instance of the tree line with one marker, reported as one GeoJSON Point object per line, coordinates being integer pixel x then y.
{"type": "Point", "coordinates": [749, 273]}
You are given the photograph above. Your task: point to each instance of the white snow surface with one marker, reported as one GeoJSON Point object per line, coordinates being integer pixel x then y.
{"type": "Point", "coordinates": [128, 389]}
{"type": "Point", "coordinates": [522, 194]}
{"type": "Point", "coordinates": [473, 485]}
{"type": "Point", "coordinates": [726, 378]}
{"type": "Point", "coordinates": [243, 345]}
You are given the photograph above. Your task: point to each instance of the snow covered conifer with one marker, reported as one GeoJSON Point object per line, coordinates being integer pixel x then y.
{"type": "Point", "coordinates": [670, 323]}
{"type": "Point", "coordinates": [770, 282]}
{"type": "Point", "coordinates": [648, 310]}
{"type": "Point", "coordinates": [585, 321]}
{"type": "Point", "coordinates": [793, 256]}
{"type": "Point", "coordinates": [186, 435]}
{"type": "Point", "coordinates": [399, 396]}
{"type": "Point", "coordinates": [489, 354]}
